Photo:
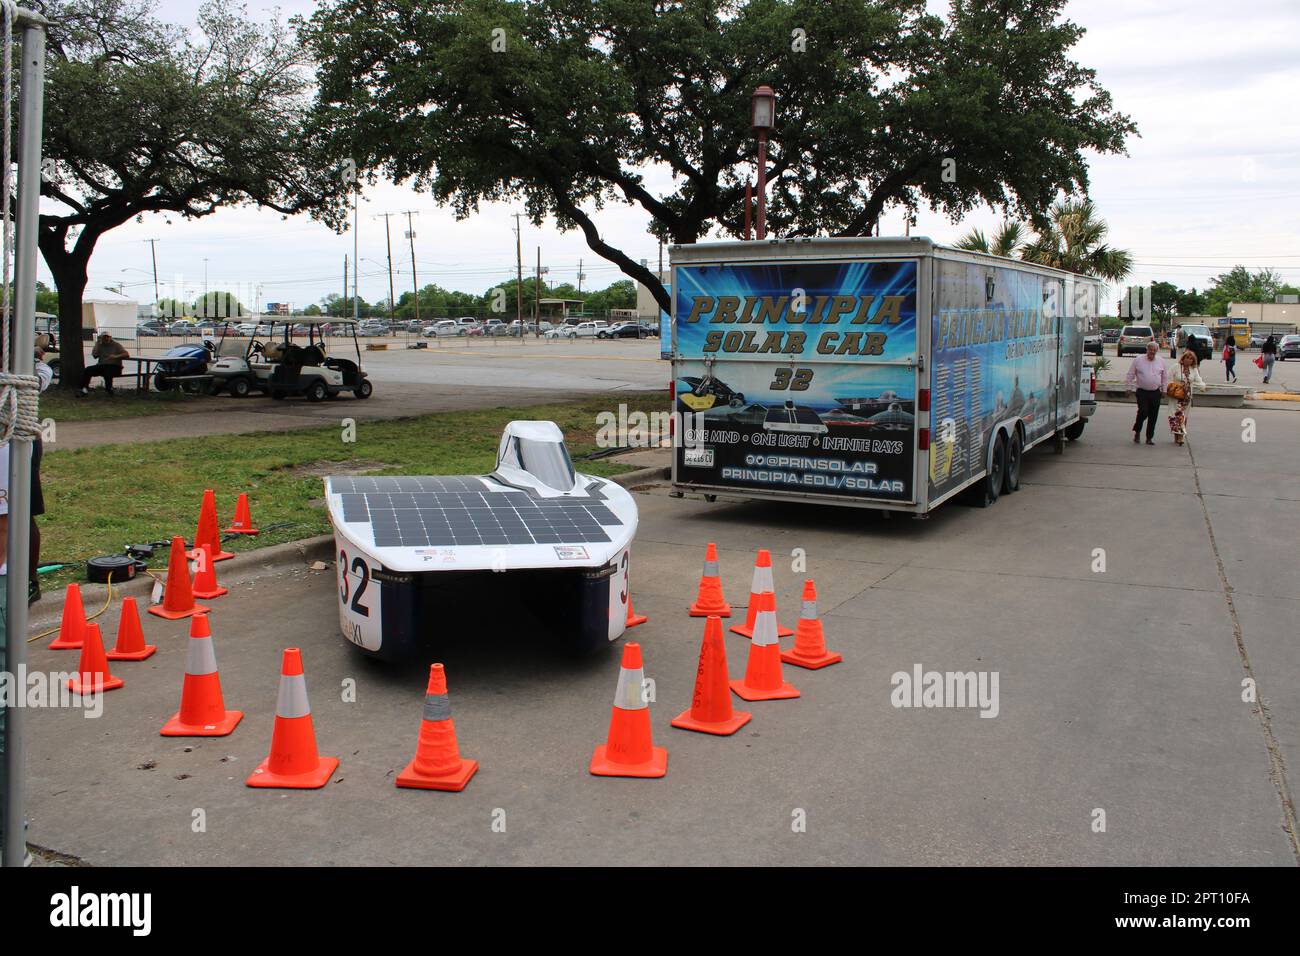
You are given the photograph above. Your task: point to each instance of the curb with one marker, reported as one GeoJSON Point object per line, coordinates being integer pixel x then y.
{"type": "Point", "coordinates": [288, 554]}
{"type": "Point", "coordinates": [642, 476]}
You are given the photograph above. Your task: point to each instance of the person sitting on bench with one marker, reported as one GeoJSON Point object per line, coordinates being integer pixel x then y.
{"type": "Point", "coordinates": [109, 353]}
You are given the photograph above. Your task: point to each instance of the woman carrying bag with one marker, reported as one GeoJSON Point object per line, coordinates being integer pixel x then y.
{"type": "Point", "coordinates": [1182, 380]}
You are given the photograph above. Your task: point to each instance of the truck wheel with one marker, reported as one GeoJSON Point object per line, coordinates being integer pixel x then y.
{"type": "Point", "coordinates": [992, 484]}
{"type": "Point", "coordinates": [1015, 453]}
{"type": "Point", "coordinates": [239, 387]}
{"type": "Point", "coordinates": [1075, 431]}
{"type": "Point", "coordinates": [316, 391]}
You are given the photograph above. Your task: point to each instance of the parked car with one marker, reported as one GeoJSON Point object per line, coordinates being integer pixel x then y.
{"type": "Point", "coordinates": [443, 328]}
{"type": "Point", "coordinates": [1092, 343]}
{"type": "Point", "coordinates": [150, 329]}
{"type": "Point", "coordinates": [1134, 338]}
{"type": "Point", "coordinates": [1289, 347]}
{"type": "Point", "coordinates": [584, 330]}
{"type": "Point", "coordinates": [625, 330]}
{"type": "Point", "coordinates": [495, 327]}
{"type": "Point", "coordinates": [181, 327]}
{"type": "Point", "coordinates": [1196, 337]}
{"type": "Point", "coordinates": [467, 322]}
{"type": "Point", "coordinates": [1110, 336]}
{"type": "Point", "coordinates": [1257, 339]}
{"type": "Point", "coordinates": [558, 332]}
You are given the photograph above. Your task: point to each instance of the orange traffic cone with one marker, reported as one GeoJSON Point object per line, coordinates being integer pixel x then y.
{"type": "Point", "coordinates": [762, 582]}
{"type": "Point", "coordinates": [634, 619]}
{"type": "Point", "coordinates": [243, 523]}
{"type": "Point", "coordinates": [710, 602]}
{"type": "Point", "coordinates": [178, 596]}
{"type": "Point", "coordinates": [72, 627]}
{"type": "Point", "coordinates": [628, 750]}
{"type": "Point", "coordinates": [293, 761]}
{"type": "Point", "coordinates": [203, 710]}
{"type": "Point", "coordinates": [809, 640]}
{"type": "Point", "coordinates": [92, 675]}
{"type": "Point", "coordinates": [438, 764]}
{"type": "Point", "coordinates": [205, 574]}
{"type": "Point", "coordinates": [130, 644]}
{"type": "Point", "coordinates": [207, 531]}
{"type": "Point", "coordinates": [762, 680]}
{"type": "Point", "coordinates": [710, 710]}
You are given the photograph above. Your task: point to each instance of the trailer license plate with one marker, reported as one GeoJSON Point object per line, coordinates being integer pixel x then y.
{"type": "Point", "coordinates": [698, 457]}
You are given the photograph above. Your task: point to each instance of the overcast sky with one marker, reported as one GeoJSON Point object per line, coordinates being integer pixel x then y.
{"type": "Point", "coordinates": [1214, 88]}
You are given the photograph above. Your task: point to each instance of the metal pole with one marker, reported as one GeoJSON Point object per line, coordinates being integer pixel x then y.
{"type": "Point", "coordinates": [415, 282]}
{"type": "Point", "coordinates": [356, 255]}
{"type": "Point", "coordinates": [392, 296]}
{"type": "Point", "coordinates": [761, 225]}
{"type": "Point", "coordinates": [749, 207]}
{"type": "Point", "coordinates": [22, 342]}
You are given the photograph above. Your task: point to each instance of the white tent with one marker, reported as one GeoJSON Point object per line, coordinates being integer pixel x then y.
{"type": "Point", "coordinates": [106, 311]}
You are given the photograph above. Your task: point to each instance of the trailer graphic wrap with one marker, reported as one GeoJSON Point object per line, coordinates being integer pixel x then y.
{"type": "Point", "coordinates": [997, 356]}
{"type": "Point", "coordinates": [800, 376]}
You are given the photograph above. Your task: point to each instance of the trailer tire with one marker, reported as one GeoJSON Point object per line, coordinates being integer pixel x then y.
{"type": "Point", "coordinates": [1015, 455]}
{"type": "Point", "coordinates": [991, 486]}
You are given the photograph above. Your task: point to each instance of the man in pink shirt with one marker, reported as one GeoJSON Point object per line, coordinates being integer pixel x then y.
{"type": "Point", "coordinates": [1146, 376]}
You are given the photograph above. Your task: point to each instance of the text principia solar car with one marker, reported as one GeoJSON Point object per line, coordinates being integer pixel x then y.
{"type": "Point", "coordinates": [534, 529]}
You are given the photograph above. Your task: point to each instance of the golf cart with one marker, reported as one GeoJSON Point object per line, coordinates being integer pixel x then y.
{"type": "Point", "coordinates": [278, 366]}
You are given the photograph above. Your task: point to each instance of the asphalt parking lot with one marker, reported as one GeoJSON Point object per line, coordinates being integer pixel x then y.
{"type": "Point", "coordinates": [1119, 690]}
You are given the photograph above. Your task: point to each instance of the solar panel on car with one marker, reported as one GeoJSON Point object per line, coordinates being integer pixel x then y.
{"type": "Point", "coordinates": [459, 511]}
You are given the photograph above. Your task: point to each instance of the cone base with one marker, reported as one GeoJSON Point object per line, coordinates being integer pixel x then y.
{"type": "Point", "coordinates": [698, 611]}
{"type": "Point", "coordinates": [97, 687]}
{"type": "Point", "coordinates": [160, 611]}
{"type": "Point", "coordinates": [178, 728]}
{"type": "Point", "coordinates": [145, 652]}
{"type": "Point", "coordinates": [454, 781]}
{"type": "Point", "coordinates": [656, 766]}
{"type": "Point", "coordinates": [59, 644]}
{"type": "Point", "coordinates": [223, 556]}
{"type": "Point", "coordinates": [208, 595]}
{"type": "Point", "coordinates": [634, 620]}
{"type": "Point", "coordinates": [239, 531]}
{"type": "Point", "coordinates": [811, 663]}
{"type": "Point", "coordinates": [745, 692]}
{"type": "Point", "coordinates": [723, 728]}
{"type": "Point", "coordinates": [311, 780]}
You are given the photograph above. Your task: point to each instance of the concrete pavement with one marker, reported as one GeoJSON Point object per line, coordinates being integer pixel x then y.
{"type": "Point", "coordinates": [1120, 691]}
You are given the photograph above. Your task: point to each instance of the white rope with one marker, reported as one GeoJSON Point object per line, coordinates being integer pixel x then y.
{"type": "Point", "coordinates": [19, 394]}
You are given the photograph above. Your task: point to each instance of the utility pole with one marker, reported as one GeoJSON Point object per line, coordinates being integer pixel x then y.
{"type": "Point", "coordinates": [343, 302]}
{"type": "Point", "coordinates": [356, 253]}
{"type": "Point", "coordinates": [388, 238]}
{"type": "Point", "coordinates": [519, 280]}
{"type": "Point", "coordinates": [415, 283]}
{"type": "Point", "coordinates": [205, 279]}
{"type": "Point", "coordinates": [153, 251]}
{"type": "Point", "coordinates": [580, 277]}
{"type": "Point", "coordinates": [537, 290]}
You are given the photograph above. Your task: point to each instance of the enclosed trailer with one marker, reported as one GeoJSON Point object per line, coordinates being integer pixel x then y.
{"type": "Point", "coordinates": [886, 373]}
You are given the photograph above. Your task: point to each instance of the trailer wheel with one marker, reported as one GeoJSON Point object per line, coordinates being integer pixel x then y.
{"type": "Point", "coordinates": [1015, 454]}
{"type": "Point", "coordinates": [992, 484]}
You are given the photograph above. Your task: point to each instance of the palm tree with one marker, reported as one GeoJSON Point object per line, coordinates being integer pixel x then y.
{"type": "Point", "coordinates": [1073, 238]}
{"type": "Point", "coordinates": [1006, 241]}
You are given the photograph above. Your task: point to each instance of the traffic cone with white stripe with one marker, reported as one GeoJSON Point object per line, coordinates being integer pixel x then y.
{"type": "Point", "coordinates": [438, 764]}
{"type": "Point", "coordinates": [629, 750]}
{"type": "Point", "coordinates": [293, 761]}
{"type": "Point", "coordinates": [763, 680]}
{"type": "Point", "coordinates": [243, 523]}
{"type": "Point", "coordinates": [92, 675]}
{"type": "Point", "coordinates": [205, 573]}
{"type": "Point", "coordinates": [711, 711]}
{"type": "Point", "coordinates": [72, 626]}
{"type": "Point", "coordinates": [130, 644]}
{"type": "Point", "coordinates": [809, 640]}
{"type": "Point", "coordinates": [710, 602]}
{"type": "Point", "coordinates": [207, 532]}
{"type": "Point", "coordinates": [203, 709]}
{"type": "Point", "coordinates": [633, 619]}
{"type": "Point", "coordinates": [178, 594]}
{"type": "Point", "coordinates": [762, 584]}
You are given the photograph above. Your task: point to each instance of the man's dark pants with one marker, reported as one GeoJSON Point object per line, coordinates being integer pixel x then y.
{"type": "Point", "coordinates": [107, 372]}
{"type": "Point", "coordinates": [1148, 400]}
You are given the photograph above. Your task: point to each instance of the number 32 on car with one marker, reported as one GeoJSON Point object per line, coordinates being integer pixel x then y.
{"type": "Point", "coordinates": [360, 608]}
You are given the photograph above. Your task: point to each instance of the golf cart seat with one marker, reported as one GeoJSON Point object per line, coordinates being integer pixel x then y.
{"type": "Point", "coordinates": [313, 355]}
{"type": "Point", "coordinates": [346, 366]}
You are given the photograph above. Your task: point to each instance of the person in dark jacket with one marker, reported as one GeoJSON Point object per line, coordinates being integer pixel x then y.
{"type": "Point", "coordinates": [108, 353]}
{"type": "Point", "coordinates": [1268, 352]}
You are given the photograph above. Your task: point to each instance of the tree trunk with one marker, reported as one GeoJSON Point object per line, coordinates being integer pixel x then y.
{"type": "Point", "coordinates": [70, 277]}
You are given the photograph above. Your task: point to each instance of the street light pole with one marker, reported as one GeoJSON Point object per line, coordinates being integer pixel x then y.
{"type": "Point", "coordinates": [762, 118]}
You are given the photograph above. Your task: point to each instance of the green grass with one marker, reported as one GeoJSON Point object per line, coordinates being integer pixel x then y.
{"type": "Point", "coordinates": [127, 403]}
{"type": "Point", "coordinates": [100, 499]}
